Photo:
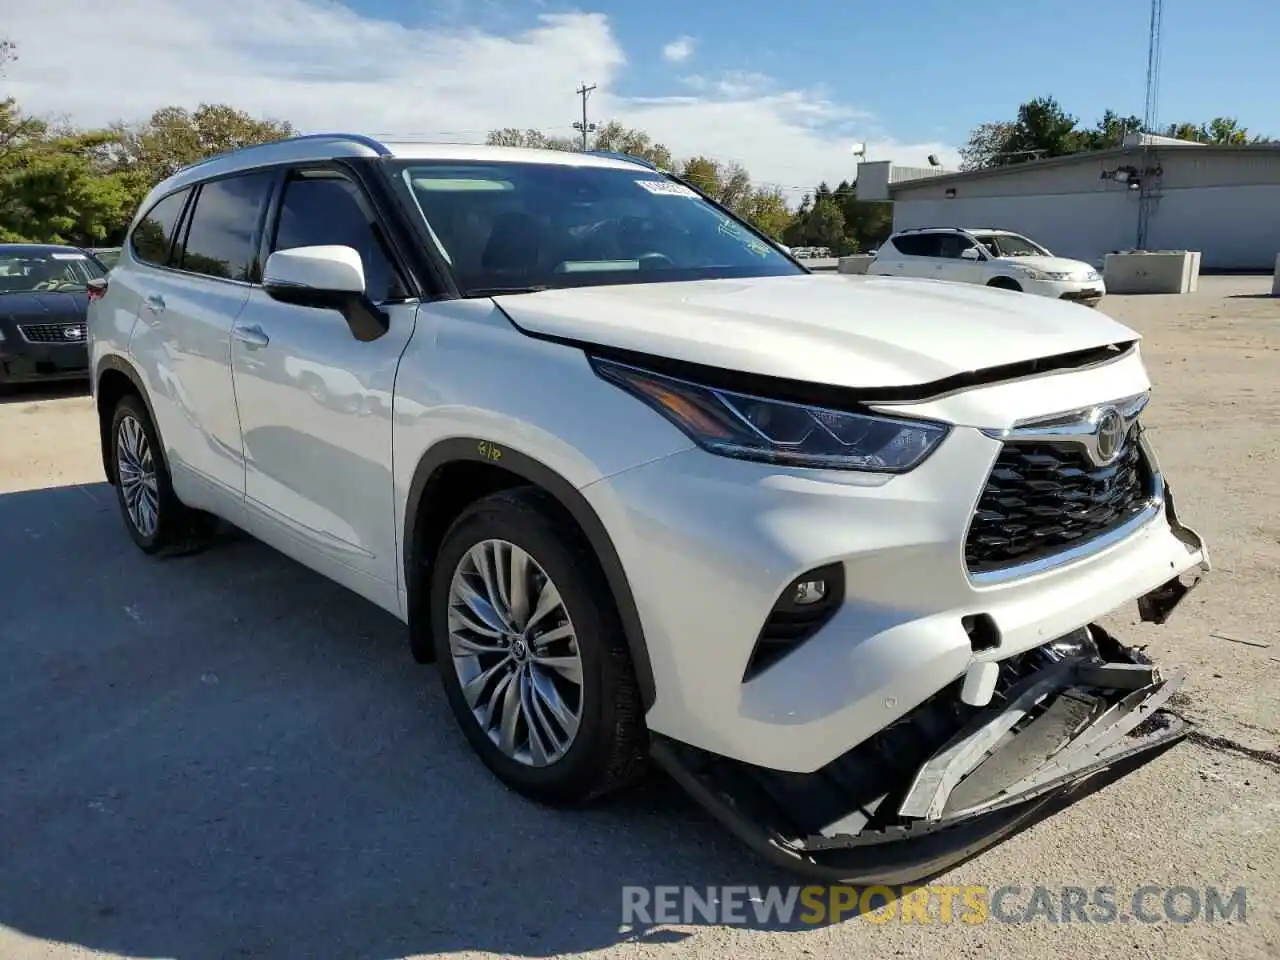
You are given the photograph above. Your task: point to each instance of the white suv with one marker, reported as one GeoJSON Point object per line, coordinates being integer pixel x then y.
{"type": "Point", "coordinates": [994, 258]}
{"type": "Point", "coordinates": [646, 487]}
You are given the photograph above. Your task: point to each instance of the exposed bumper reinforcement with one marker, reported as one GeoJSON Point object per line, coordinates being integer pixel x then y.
{"type": "Point", "coordinates": [947, 780]}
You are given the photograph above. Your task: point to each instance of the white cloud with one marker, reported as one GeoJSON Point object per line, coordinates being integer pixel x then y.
{"type": "Point", "coordinates": [680, 49]}
{"type": "Point", "coordinates": [324, 67]}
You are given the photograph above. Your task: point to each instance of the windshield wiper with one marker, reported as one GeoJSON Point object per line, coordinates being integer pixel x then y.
{"type": "Point", "coordinates": [501, 291]}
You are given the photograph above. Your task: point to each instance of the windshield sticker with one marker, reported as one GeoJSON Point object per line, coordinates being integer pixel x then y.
{"type": "Point", "coordinates": [67, 256]}
{"type": "Point", "coordinates": [731, 229]}
{"type": "Point", "coordinates": [667, 188]}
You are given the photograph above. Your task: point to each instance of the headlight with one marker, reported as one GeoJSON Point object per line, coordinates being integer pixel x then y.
{"type": "Point", "coordinates": [1035, 274]}
{"type": "Point", "coordinates": [752, 428]}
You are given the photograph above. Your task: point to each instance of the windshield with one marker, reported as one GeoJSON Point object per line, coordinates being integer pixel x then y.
{"type": "Point", "coordinates": [1011, 245]}
{"type": "Point", "coordinates": [35, 271]}
{"type": "Point", "coordinates": [512, 226]}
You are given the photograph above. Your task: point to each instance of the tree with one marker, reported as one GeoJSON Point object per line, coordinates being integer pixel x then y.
{"type": "Point", "coordinates": [986, 146]}
{"type": "Point", "coordinates": [512, 137]}
{"type": "Point", "coordinates": [52, 186]}
{"type": "Point", "coordinates": [728, 184]}
{"type": "Point", "coordinates": [1044, 129]}
{"type": "Point", "coordinates": [1110, 131]}
{"type": "Point", "coordinates": [613, 137]}
{"type": "Point", "coordinates": [1224, 131]}
{"type": "Point", "coordinates": [767, 211]}
{"type": "Point", "coordinates": [174, 138]}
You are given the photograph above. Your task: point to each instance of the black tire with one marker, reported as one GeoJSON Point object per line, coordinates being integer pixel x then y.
{"type": "Point", "coordinates": [178, 529]}
{"type": "Point", "coordinates": [1005, 283]}
{"type": "Point", "coordinates": [609, 748]}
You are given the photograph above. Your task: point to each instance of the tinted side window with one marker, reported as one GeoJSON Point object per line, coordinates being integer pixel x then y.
{"type": "Point", "coordinates": [917, 244]}
{"type": "Point", "coordinates": [153, 236]}
{"type": "Point", "coordinates": [222, 240]}
{"type": "Point", "coordinates": [324, 210]}
{"type": "Point", "coordinates": [950, 245]}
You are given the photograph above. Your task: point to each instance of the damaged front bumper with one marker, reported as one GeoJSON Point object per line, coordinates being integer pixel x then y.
{"type": "Point", "coordinates": [950, 779]}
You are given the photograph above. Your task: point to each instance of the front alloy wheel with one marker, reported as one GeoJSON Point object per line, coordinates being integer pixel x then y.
{"type": "Point", "coordinates": [515, 652]}
{"type": "Point", "coordinates": [532, 654]}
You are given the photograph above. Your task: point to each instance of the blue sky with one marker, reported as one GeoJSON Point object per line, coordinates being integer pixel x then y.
{"type": "Point", "coordinates": [783, 88]}
{"type": "Point", "coordinates": [936, 68]}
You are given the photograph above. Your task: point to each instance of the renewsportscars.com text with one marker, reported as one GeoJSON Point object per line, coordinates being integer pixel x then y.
{"type": "Point", "coordinates": [813, 905]}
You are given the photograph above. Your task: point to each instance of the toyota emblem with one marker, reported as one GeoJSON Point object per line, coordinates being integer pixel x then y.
{"type": "Point", "coordinates": [1110, 434]}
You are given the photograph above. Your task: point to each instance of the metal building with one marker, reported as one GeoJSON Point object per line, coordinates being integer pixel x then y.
{"type": "Point", "coordinates": [1222, 201]}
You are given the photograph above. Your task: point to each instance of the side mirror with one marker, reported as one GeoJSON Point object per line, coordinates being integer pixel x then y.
{"type": "Point", "coordinates": [970, 253]}
{"type": "Point", "coordinates": [329, 278]}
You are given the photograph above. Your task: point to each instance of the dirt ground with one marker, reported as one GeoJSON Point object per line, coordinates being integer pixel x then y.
{"type": "Point", "coordinates": [224, 756]}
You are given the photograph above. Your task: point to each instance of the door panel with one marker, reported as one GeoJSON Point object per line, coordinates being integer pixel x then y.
{"type": "Point", "coordinates": [190, 297]}
{"type": "Point", "coordinates": [315, 402]}
{"type": "Point", "coordinates": [952, 266]}
{"type": "Point", "coordinates": [182, 339]}
{"type": "Point", "coordinates": [315, 416]}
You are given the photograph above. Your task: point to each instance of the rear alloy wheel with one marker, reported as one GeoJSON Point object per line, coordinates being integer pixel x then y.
{"type": "Point", "coordinates": [156, 519]}
{"type": "Point", "coordinates": [531, 652]}
{"type": "Point", "coordinates": [136, 471]}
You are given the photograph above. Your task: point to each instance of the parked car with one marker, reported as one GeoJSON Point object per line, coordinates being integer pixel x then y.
{"type": "Point", "coordinates": [994, 258]}
{"type": "Point", "coordinates": [43, 303]}
{"type": "Point", "coordinates": [107, 256]}
{"type": "Point", "coordinates": [644, 487]}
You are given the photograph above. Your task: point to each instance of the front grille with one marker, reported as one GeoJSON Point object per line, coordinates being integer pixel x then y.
{"type": "Point", "coordinates": [52, 332]}
{"type": "Point", "coordinates": [1042, 498]}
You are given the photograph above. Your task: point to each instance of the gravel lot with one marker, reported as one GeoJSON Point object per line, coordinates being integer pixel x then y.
{"type": "Point", "coordinates": [223, 756]}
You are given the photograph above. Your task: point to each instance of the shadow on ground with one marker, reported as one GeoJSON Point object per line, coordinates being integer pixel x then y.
{"type": "Point", "coordinates": [51, 390]}
{"type": "Point", "coordinates": [226, 756]}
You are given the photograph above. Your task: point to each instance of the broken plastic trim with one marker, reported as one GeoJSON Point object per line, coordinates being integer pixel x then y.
{"type": "Point", "coordinates": [947, 780]}
{"type": "Point", "coordinates": [1158, 605]}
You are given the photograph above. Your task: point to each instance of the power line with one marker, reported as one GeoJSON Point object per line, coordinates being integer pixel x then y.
{"type": "Point", "coordinates": [584, 127]}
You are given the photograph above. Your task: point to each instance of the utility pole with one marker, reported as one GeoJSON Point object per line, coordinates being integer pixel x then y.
{"type": "Point", "coordinates": [1147, 185]}
{"type": "Point", "coordinates": [584, 127]}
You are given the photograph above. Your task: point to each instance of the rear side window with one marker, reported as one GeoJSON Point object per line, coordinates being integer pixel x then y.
{"type": "Point", "coordinates": [152, 238]}
{"type": "Point", "coordinates": [918, 244]}
{"type": "Point", "coordinates": [222, 240]}
{"type": "Point", "coordinates": [324, 210]}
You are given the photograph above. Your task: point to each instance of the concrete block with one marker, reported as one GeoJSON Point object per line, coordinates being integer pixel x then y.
{"type": "Point", "coordinates": [1156, 271]}
{"type": "Point", "coordinates": [1275, 279]}
{"type": "Point", "coordinates": [858, 263]}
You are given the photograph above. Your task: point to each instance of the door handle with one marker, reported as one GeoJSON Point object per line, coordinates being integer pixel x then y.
{"type": "Point", "coordinates": [155, 303]}
{"type": "Point", "coordinates": [253, 337]}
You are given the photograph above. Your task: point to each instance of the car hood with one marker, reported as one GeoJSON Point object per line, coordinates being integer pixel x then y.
{"type": "Point", "coordinates": [1051, 264]}
{"type": "Point", "coordinates": [848, 331]}
{"type": "Point", "coordinates": [44, 306]}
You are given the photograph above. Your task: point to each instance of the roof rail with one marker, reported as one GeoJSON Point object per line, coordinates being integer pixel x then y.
{"type": "Point", "coordinates": [611, 155]}
{"type": "Point", "coordinates": [354, 138]}
{"type": "Point", "coordinates": [922, 229]}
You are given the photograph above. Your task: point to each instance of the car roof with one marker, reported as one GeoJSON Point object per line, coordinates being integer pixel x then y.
{"type": "Point", "coordinates": [39, 248]}
{"type": "Point", "coordinates": [331, 146]}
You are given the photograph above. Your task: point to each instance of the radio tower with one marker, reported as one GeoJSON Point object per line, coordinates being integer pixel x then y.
{"type": "Point", "coordinates": [1150, 117]}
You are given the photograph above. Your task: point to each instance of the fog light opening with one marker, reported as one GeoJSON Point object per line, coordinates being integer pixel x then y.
{"type": "Point", "coordinates": [982, 630]}
{"type": "Point", "coordinates": [808, 592]}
